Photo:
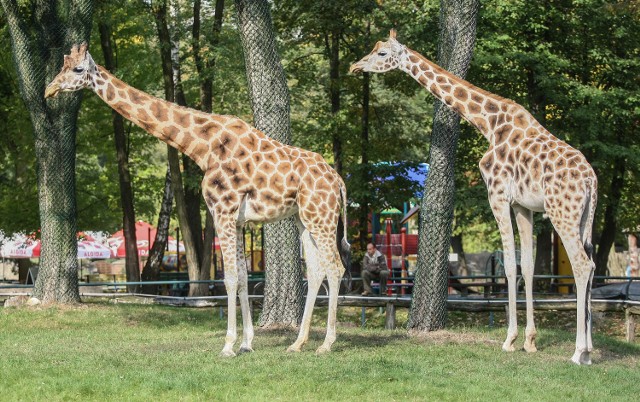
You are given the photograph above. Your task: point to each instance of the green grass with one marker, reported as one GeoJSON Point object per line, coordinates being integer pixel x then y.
{"type": "Point", "coordinates": [102, 351]}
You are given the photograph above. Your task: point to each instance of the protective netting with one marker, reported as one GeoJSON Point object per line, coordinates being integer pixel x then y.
{"type": "Point", "coordinates": [283, 301]}
{"type": "Point", "coordinates": [40, 36]}
{"type": "Point", "coordinates": [429, 306]}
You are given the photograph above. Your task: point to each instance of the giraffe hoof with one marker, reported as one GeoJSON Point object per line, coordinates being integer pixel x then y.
{"type": "Point", "coordinates": [508, 347]}
{"type": "Point", "coordinates": [581, 358]}
{"type": "Point", "coordinates": [530, 347]}
{"type": "Point", "coordinates": [245, 349]}
{"type": "Point", "coordinates": [323, 349]}
{"type": "Point", "coordinates": [294, 349]}
{"type": "Point", "coordinates": [227, 353]}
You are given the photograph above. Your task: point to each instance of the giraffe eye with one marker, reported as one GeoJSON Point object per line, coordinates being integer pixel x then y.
{"type": "Point", "coordinates": [382, 54]}
{"type": "Point", "coordinates": [78, 70]}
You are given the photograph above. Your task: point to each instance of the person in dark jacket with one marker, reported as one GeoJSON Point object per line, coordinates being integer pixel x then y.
{"type": "Point", "coordinates": [374, 266]}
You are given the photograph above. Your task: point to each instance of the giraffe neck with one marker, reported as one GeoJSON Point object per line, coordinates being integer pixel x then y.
{"type": "Point", "coordinates": [475, 105]}
{"type": "Point", "coordinates": [190, 131]}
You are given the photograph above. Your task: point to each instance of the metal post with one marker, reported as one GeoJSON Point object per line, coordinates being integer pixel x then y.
{"type": "Point", "coordinates": [389, 254]}
{"type": "Point", "coordinates": [403, 267]}
{"type": "Point", "coordinates": [177, 248]}
{"type": "Point", "coordinates": [251, 247]}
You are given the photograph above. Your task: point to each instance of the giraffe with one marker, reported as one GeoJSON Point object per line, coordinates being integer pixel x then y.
{"type": "Point", "coordinates": [525, 168]}
{"type": "Point", "coordinates": [248, 178]}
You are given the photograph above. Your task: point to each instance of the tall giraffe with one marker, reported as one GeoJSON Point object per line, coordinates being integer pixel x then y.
{"type": "Point", "coordinates": [525, 168]}
{"type": "Point", "coordinates": [248, 178]}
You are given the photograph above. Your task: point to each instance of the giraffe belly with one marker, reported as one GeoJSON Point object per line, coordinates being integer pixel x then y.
{"type": "Point", "coordinates": [533, 201]}
{"type": "Point", "coordinates": [251, 212]}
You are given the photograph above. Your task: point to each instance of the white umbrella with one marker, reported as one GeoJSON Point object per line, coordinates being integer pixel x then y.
{"type": "Point", "coordinates": [21, 247]}
{"type": "Point", "coordinates": [93, 249]}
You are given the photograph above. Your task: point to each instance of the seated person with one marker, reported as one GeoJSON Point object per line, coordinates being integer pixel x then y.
{"type": "Point", "coordinates": [374, 266]}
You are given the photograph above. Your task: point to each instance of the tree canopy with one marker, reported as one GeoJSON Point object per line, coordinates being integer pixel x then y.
{"type": "Point", "coordinates": [574, 65]}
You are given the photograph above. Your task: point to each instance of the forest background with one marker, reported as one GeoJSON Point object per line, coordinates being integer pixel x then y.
{"type": "Point", "coordinates": [574, 64]}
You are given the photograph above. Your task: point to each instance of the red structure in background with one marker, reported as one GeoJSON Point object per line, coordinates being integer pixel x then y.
{"type": "Point", "coordinates": [398, 245]}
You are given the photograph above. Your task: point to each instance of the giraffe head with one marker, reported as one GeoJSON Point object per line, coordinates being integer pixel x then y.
{"type": "Point", "coordinates": [76, 72]}
{"type": "Point", "coordinates": [384, 57]}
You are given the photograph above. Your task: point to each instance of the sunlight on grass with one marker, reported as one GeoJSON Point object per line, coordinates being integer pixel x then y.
{"type": "Point", "coordinates": [102, 351]}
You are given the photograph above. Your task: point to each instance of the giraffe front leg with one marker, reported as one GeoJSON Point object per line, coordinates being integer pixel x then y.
{"type": "Point", "coordinates": [524, 220]}
{"type": "Point", "coordinates": [502, 214]}
{"type": "Point", "coordinates": [227, 235]}
{"type": "Point", "coordinates": [243, 293]}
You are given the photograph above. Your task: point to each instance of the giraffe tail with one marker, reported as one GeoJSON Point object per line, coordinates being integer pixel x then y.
{"type": "Point", "coordinates": [588, 216]}
{"type": "Point", "coordinates": [344, 246]}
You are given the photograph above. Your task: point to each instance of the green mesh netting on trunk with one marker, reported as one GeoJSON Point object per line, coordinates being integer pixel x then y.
{"type": "Point", "coordinates": [428, 310]}
{"type": "Point", "coordinates": [41, 34]}
{"type": "Point", "coordinates": [283, 301]}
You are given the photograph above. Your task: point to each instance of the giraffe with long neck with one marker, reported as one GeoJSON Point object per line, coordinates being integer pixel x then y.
{"type": "Point", "coordinates": [526, 169]}
{"type": "Point", "coordinates": [248, 178]}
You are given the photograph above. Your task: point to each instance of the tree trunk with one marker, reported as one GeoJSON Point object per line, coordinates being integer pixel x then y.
{"type": "Point", "coordinates": [610, 227]}
{"type": "Point", "coordinates": [333, 48]}
{"type": "Point", "coordinates": [456, 247]}
{"type": "Point", "coordinates": [151, 271]}
{"type": "Point", "coordinates": [363, 219]}
{"type": "Point", "coordinates": [132, 264]}
{"type": "Point", "coordinates": [544, 249]}
{"type": "Point", "coordinates": [283, 301]}
{"type": "Point", "coordinates": [39, 41]}
{"type": "Point", "coordinates": [205, 64]}
{"type": "Point", "coordinates": [429, 304]}
{"type": "Point", "coordinates": [364, 157]}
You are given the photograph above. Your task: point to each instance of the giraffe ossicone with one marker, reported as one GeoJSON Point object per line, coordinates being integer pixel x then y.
{"type": "Point", "coordinates": [526, 169]}
{"type": "Point", "coordinates": [248, 178]}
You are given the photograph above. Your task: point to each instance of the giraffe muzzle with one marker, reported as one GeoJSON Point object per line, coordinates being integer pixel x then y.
{"type": "Point", "coordinates": [355, 68]}
{"type": "Point", "coordinates": [52, 90]}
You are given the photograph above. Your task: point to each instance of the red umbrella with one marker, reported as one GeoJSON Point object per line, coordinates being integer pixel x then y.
{"type": "Point", "coordinates": [145, 236]}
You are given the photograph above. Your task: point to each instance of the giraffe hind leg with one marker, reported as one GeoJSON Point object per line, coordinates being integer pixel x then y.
{"type": "Point", "coordinates": [315, 276]}
{"type": "Point", "coordinates": [335, 271]}
{"type": "Point", "coordinates": [583, 268]}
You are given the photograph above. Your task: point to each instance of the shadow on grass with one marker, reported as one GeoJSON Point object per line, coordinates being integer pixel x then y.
{"type": "Point", "coordinates": [158, 316]}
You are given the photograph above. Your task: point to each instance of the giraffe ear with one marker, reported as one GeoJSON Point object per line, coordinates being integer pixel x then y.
{"type": "Point", "coordinates": [392, 33]}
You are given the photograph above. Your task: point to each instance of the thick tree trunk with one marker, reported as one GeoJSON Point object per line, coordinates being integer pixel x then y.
{"type": "Point", "coordinates": [39, 41]}
{"type": "Point", "coordinates": [428, 310]}
{"type": "Point", "coordinates": [132, 265]}
{"type": "Point", "coordinates": [283, 301]}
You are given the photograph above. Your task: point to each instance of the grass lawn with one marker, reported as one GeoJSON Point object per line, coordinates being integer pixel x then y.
{"type": "Point", "coordinates": [134, 352]}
